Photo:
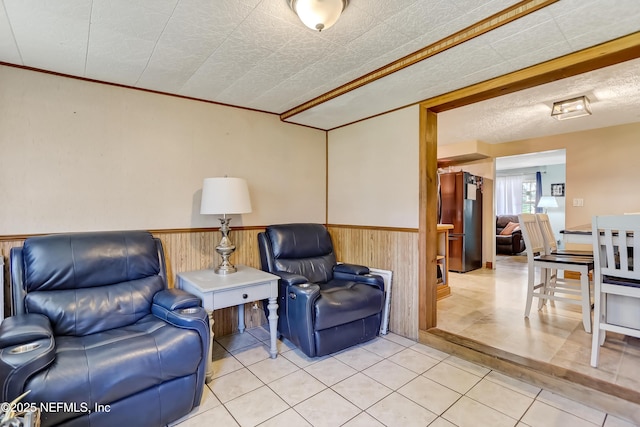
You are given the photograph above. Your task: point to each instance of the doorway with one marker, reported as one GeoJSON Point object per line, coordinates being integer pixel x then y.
{"type": "Point", "coordinates": [528, 183]}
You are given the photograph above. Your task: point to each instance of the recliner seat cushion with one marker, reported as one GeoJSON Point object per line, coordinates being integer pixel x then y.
{"type": "Point", "coordinates": [343, 301]}
{"type": "Point", "coordinates": [108, 366]}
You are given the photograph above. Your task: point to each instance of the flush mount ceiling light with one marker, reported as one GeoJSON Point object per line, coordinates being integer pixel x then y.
{"type": "Point", "coordinates": [318, 14]}
{"type": "Point", "coordinates": [571, 108]}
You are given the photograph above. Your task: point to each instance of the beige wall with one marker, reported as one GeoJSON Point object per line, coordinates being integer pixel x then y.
{"type": "Point", "coordinates": [373, 171]}
{"type": "Point", "coordinates": [77, 155]}
{"type": "Point", "coordinates": [601, 168]}
{"type": "Point", "coordinates": [373, 181]}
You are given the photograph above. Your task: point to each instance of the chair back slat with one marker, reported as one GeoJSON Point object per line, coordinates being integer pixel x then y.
{"type": "Point", "coordinates": [533, 240]}
{"type": "Point", "coordinates": [547, 233]}
{"type": "Point", "coordinates": [616, 242]}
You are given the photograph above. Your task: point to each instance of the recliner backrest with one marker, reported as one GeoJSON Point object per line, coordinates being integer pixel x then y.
{"type": "Point", "coordinates": [88, 282]}
{"type": "Point", "coordinates": [304, 249]}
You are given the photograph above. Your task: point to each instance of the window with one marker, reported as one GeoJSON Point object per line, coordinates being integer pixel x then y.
{"type": "Point", "coordinates": [529, 196]}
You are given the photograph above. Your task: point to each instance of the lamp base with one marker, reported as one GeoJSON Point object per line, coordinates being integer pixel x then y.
{"type": "Point", "coordinates": [225, 269]}
{"type": "Point", "coordinates": [225, 248]}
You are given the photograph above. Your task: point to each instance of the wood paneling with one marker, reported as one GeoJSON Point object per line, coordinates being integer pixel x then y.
{"type": "Point", "coordinates": [384, 248]}
{"type": "Point", "coordinates": [387, 249]}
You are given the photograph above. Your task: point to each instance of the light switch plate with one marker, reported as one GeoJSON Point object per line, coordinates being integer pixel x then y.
{"type": "Point", "coordinates": [578, 202]}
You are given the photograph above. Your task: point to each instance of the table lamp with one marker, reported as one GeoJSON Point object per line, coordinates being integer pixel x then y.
{"type": "Point", "coordinates": [547, 202]}
{"type": "Point", "coordinates": [225, 196]}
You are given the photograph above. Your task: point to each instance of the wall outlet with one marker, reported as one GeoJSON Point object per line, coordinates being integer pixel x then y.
{"type": "Point", "coordinates": [578, 202]}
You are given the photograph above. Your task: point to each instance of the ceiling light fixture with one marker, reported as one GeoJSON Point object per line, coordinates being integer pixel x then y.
{"type": "Point", "coordinates": [318, 14]}
{"type": "Point", "coordinates": [571, 108]}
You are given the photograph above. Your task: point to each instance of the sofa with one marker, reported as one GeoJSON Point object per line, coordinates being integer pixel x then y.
{"type": "Point", "coordinates": [509, 239]}
{"type": "Point", "coordinates": [96, 330]}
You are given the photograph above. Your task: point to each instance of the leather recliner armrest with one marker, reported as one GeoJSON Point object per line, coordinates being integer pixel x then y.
{"type": "Point", "coordinates": [27, 345]}
{"type": "Point", "coordinates": [22, 329]}
{"type": "Point", "coordinates": [173, 299]}
{"type": "Point", "coordinates": [358, 273]}
{"type": "Point", "coordinates": [291, 279]}
{"type": "Point", "coordinates": [180, 308]}
{"type": "Point", "coordinates": [351, 269]}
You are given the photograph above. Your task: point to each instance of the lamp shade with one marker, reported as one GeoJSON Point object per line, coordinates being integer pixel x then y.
{"type": "Point", "coordinates": [318, 14]}
{"type": "Point", "coordinates": [225, 196]}
{"type": "Point", "coordinates": [547, 202]}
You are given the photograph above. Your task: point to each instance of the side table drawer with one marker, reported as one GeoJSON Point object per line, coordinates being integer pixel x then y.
{"type": "Point", "coordinates": [235, 296]}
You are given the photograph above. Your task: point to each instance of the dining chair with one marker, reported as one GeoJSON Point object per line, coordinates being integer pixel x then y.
{"type": "Point", "coordinates": [550, 242]}
{"type": "Point", "coordinates": [565, 290]}
{"type": "Point", "coordinates": [616, 241]}
{"type": "Point", "coordinates": [551, 247]}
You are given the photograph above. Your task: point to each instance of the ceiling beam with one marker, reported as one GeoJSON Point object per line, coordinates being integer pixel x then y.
{"type": "Point", "coordinates": [610, 53]}
{"type": "Point", "coordinates": [517, 11]}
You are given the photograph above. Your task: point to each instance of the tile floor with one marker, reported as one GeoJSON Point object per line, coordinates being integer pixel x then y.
{"type": "Point", "coordinates": [389, 381]}
{"type": "Point", "coordinates": [488, 306]}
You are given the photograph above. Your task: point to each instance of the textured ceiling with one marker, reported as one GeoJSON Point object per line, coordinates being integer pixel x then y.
{"type": "Point", "coordinates": [529, 160]}
{"type": "Point", "coordinates": [256, 54]}
{"type": "Point", "coordinates": [614, 94]}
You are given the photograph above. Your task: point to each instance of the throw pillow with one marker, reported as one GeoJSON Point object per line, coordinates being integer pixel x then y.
{"type": "Point", "coordinates": [510, 228]}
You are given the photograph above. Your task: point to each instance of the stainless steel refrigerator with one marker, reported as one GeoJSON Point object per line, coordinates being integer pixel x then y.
{"type": "Point", "coordinates": [461, 205]}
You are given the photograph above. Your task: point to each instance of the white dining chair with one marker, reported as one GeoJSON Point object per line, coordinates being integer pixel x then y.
{"type": "Point", "coordinates": [551, 247]}
{"type": "Point", "coordinates": [565, 290]}
{"type": "Point", "coordinates": [616, 251]}
{"type": "Point", "coordinates": [550, 243]}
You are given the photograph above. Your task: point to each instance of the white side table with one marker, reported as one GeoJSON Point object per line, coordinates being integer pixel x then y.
{"type": "Point", "coordinates": [221, 291]}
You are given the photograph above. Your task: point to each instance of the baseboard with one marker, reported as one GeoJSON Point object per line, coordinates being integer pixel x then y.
{"type": "Point", "coordinates": [611, 398]}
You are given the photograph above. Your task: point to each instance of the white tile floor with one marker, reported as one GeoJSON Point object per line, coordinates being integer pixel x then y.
{"type": "Point", "coordinates": [390, 381]}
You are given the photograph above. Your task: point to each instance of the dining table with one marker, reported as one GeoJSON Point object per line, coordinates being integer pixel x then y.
{"type": "Point", "coordinates": [580, 234]}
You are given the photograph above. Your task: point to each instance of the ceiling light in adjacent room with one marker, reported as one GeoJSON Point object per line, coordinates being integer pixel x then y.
{"type": "Point", "coordinates": [318, 14]}
{"type": "Point", "coordinates": [571, 108]}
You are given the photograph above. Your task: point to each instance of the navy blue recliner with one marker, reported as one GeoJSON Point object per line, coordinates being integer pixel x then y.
{"type": "Point", "coordinates": [323, 307]}
{"type": "Point", "coordinates": [95, 326]}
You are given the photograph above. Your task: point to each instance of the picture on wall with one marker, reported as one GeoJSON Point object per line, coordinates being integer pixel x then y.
{"type": "Point", "coordinates": [557, 190]}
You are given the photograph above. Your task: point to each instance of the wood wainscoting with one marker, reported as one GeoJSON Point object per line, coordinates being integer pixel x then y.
{"type": "Point", "coordinates": [394, 249]}
{"type": "Point", "coordinates": [194, 249]}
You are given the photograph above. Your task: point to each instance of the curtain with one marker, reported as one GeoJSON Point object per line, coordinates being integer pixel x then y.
{"type": "Point", "coordinates": [538, 191]}
{"type": "Point", "coordinates": [509, 194]}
